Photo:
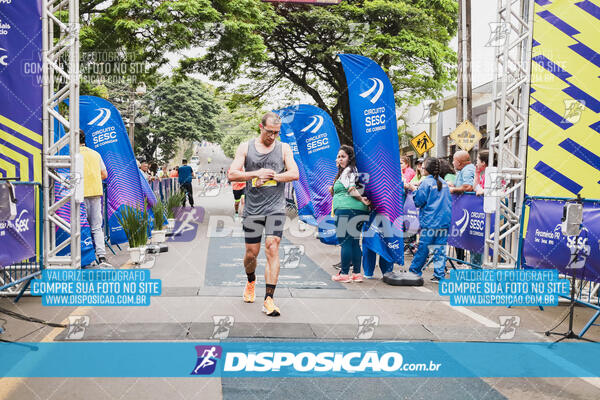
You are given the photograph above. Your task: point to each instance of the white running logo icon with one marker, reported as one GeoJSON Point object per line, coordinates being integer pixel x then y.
{"type": "Point", "coordinates": [104, 114]}
{"type": "Point", "coordinates": [377, 84]}
{"type": "Point", "coordinates": [465, 219]}
{"type": "Point", "coordinates": [186, 224]}
{"type": "Point", "coordinates": [3, 58]}
{"type": "Point", "coordinates": [314, 121]}
{"type": "Point", "coordinates": [206, 362]}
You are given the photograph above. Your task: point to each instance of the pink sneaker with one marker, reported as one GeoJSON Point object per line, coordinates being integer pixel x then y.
{"type": "Point", "coordinates": [356, 278]}
{"type": "Point", "coordinates": [343, 278]}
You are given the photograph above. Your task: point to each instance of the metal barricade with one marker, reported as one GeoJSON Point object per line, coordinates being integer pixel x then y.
{"type": "Point", "coordinates": [15, 278]}
{"type": "Point", "coordinates": [164, 187]}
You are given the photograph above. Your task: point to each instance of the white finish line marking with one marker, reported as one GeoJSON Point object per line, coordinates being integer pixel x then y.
{"type": "Point", "coordinates": [592, 381]}
{"type": "Point", "coordinates": [471, 314]}
{"type": "Point", "coordinates": [423, 289]}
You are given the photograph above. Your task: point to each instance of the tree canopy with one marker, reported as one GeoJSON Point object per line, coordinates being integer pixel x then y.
{"type": "Point", "coordinates": [273, 49]}
{"type": "Point", "coordinates": [236, 125]}
{"type": "Point", "coordinates": [271, 44]}
{"type": "Point", "coordinates": [129, 39]}
{"type": "Point", "coordinates": [184, 110]}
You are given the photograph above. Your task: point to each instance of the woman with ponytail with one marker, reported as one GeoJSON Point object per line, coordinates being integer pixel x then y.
{"type": "Point", "coordinates": [351, 210]}
{"type": "Point", "coordinates": [435, 209]}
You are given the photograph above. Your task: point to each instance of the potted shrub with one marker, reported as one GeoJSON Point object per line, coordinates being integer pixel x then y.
{"type": "Point", "coordinates": [158, 234]}
{"type": "Point", "coordinates": [174, 201]}
{"type": "Point", "coordinates": [135, 225]}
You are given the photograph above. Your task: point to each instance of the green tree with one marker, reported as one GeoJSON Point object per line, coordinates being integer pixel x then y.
{"type": "Point", "coordinates": [237, 122]}
{"type": "Point", "coordinates": [128, 40]}
{"type": "Point", "coordinates": [275, 44]}
{"type": "Point", "coordinates": [185, 110]}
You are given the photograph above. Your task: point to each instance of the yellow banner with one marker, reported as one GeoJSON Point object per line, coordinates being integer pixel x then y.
{"type": "Point", "coordinates": [563, 156]}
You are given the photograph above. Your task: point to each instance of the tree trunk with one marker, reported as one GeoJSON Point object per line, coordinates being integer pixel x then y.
{"type": "Point", "coordinates": [345, 128]}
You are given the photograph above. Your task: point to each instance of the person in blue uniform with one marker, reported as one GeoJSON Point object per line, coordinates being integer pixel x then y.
{"type": "Point", "coordinates": [433, 200]}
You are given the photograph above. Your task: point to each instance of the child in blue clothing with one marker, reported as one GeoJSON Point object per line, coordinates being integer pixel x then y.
{"type": "Point", "coordinates": [435, 211]}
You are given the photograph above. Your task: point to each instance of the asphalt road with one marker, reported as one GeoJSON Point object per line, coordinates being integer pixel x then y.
{"type": "Point", "coordinates": [202, 280]}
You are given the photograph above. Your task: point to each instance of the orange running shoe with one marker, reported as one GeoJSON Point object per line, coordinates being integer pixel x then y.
{"type": "Point", "coordinates": [270, 308]}
{"type": "Point", "coordinates": [249, 295]}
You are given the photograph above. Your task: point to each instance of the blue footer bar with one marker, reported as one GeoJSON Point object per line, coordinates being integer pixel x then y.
{"type": "Point", "coordinates": [299, 359]}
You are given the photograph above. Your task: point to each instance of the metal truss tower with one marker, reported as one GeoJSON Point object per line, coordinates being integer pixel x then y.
{"type": "Point", "coordinates": [508, 132]}
{"type": "Point", "coordinates": [60, 29]}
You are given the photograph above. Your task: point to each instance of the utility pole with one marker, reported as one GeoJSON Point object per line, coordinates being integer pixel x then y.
{"type": "Point", "coordinates": [140, 90]}
{"type": "Point", "coordinates": [131, 117]}
{"type": "Point", "coordinates": [468, 78]}
{"type": "Point", "coordinates": [464, 87]}
{"type": "Point", "coordinates": [459, 70]}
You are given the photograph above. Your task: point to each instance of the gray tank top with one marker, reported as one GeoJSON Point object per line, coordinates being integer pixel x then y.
{"type": "Point", "coordinates": [268, 199]}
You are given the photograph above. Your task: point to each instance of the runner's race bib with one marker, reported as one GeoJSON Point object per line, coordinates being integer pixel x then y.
{"type": "Point", "coordinates": [271, 182]}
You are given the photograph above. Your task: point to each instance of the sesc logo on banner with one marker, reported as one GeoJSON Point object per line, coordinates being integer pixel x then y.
{"type": "Point", "coordinates": [579, 246]}
{"type": "Point", "coordinates": [3, 57]}
{"type": "Point", "coordinates": [22, 223]}
{"type": "Point", "coordinates": [473, 222]}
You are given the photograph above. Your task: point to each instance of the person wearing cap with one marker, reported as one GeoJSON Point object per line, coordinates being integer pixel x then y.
{"type": "Point", "coordinates": [419, 176]}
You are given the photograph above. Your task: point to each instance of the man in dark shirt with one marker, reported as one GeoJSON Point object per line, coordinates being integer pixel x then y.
{"type": "Point", "coordinates": [186, 174]}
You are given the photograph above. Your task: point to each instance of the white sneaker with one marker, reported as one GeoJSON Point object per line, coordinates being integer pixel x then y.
{"type": "Point", "coordinates": [103, 263]}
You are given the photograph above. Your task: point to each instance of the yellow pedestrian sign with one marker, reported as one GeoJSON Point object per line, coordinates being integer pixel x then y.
{"type": "Point", "coordinates": [422, 143]}
{"type": "Point", "coordinates": [466, 135]}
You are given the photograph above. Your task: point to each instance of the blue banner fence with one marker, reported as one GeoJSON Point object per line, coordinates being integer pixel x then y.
{"type": "Point", "coordinates": [164, 187]}
{"type": "Point", "coordinates": [587, 292]}
{"type": "Point", "coordinates": [15, 278]}
{"type": "Point", "coordinates": [541, 243]}
{"type": "Point", "coordinates": [467, 229]}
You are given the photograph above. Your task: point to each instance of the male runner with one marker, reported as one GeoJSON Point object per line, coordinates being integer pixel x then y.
{"type": "Point", "coordinates": [238, 195]}
{"type": "Point", "coordinates": [267, 165]}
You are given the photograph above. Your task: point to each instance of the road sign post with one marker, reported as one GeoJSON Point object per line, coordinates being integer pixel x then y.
{"type": "Point", "coordinates": [422, 143]}
{"type": "Point", "coordinates": [466, 135]}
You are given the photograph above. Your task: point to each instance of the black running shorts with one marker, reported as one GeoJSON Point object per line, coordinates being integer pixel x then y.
{"type": "Point", "coordinates": [237, 194]}
{"type": "Point", "coordinates": [254, 226]}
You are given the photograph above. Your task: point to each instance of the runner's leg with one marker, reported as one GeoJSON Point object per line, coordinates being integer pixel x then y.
{"type": "Point", "coordinates": [253, 228]}
{"type": "Point", "coordinates": [190, 193]}
{"type": "Point", "coordinates": [241, 206]}
{"type": "Point", "coordinates": [272, 267]}
{"type": "Point", "coordinates": [274, 225]}
{"type": "Point", "coordinates": [252, 250]}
